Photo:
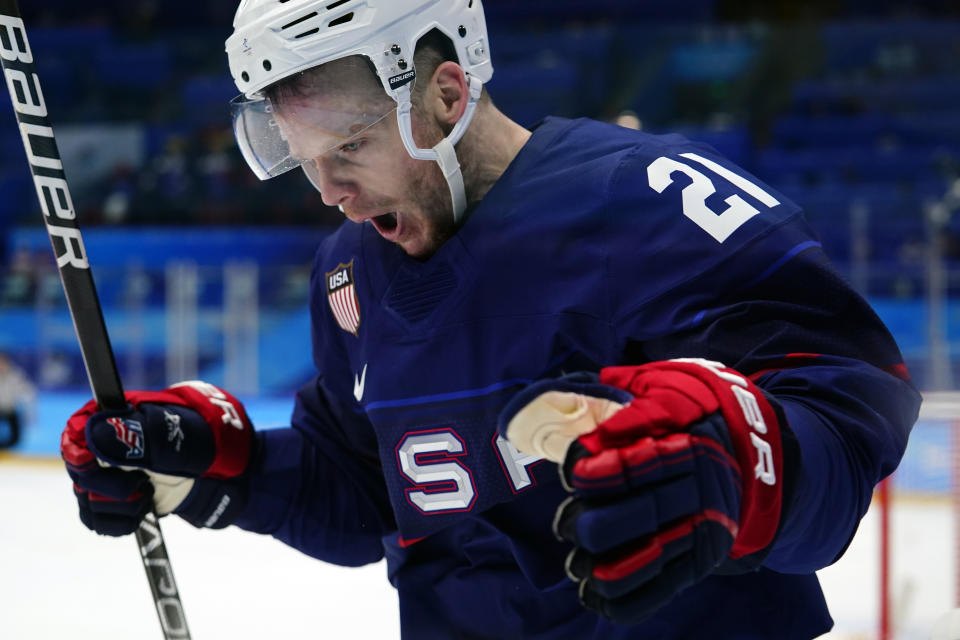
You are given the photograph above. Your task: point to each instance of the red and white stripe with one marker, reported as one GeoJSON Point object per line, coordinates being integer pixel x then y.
{"type": "Point", "coordinates": [346, 309]}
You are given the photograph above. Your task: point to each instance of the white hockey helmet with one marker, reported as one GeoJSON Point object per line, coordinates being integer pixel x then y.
{"type": "Point", "coordinates": [274, 39]}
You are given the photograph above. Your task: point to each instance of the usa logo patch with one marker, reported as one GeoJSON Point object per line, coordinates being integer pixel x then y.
{"type": "Point", "coordinates": [342, 296]}
{"type": "Point", "coordinates": [130, 433]}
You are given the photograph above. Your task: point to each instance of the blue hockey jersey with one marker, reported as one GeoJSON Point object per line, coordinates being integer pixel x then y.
{"type": "Point", "coordinates": [598, 246]}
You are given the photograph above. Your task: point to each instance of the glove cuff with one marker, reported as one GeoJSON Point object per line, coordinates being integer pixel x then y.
{"type": "Point", "coordinates": [169, 491]}
{"type": "Point", "coordinates": [792, 460]}
{"type": "Point", "coordinates": [213, 504]}
{"type": "Point", "coordinates": [753, 424]}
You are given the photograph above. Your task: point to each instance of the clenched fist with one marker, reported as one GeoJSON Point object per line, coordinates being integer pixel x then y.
{"type": "Point", "coordinates": [181, 450]}
{"type": "Point", "coordinates": [675, 469]}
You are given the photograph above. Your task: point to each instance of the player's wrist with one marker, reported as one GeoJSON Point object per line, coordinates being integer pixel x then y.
{"type": "Point", "coordinates": [269, 485]}
{"type": "Point", "coordinates": [214, 504]}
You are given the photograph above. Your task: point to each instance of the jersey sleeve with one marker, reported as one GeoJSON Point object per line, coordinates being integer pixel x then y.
{"type": "Point", "coordinates": [314, 490]}
{"type": "Point", "coordinates": [318, 485]}
{"type": "Point", "coordinates": [766, 301]}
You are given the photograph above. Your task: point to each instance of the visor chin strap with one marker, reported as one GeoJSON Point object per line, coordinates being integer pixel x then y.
{"type": "Point", "coordinates": [444, 152]}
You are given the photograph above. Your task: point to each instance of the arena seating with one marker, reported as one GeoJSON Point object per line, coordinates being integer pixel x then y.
{"type": "Point", "coordinates": [865, 139]}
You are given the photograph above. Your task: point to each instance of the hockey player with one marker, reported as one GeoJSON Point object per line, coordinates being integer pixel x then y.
{"type": "Point", "coordinates": [579, 382]}
{"type": "Point", "coordinates": [17, 399]}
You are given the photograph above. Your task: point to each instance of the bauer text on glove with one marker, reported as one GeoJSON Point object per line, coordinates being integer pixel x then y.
{"type": "Point", "coordinates": [676, 469]}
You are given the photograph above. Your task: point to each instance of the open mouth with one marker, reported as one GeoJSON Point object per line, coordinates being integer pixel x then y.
{"type": "Point", "coordinates": [386, 222]}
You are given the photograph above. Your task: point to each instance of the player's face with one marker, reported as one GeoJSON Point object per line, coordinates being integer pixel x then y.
{"type": "Point", "coordinates": [373, 180]}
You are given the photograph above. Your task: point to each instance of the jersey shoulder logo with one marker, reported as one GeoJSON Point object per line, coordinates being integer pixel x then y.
{"type": "Point", "coordinates": [342, 296]}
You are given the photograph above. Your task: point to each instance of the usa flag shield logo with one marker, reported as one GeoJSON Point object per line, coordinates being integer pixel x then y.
{"type": "Point", "coordinates": [130, 433]}
{"type": "Point", "coordinates": [342, 296]}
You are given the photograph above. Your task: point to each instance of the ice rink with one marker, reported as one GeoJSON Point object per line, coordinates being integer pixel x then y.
{"type": "Point", "coordinates": [58, 580]}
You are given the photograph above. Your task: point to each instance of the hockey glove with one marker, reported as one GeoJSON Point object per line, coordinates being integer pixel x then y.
{"type": "Point", "coordinates": [179, 450]}
{"type": "Point", "coordinates": [676, 470]}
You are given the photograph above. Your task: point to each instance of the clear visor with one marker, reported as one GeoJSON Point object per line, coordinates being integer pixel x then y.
{"type": "Point", "coordinates": [307, 115]}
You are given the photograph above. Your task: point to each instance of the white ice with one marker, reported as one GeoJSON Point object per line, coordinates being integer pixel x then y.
{"type": "Point", "coordinates": [58, 580]}
{"type": "Point", "coordinates": [923, 578]}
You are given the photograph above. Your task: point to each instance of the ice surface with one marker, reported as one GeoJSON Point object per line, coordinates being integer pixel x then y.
{"type": "Point", "coordinates": [923, 568]}
{"type": "Point", "coordinates": [58, 580]}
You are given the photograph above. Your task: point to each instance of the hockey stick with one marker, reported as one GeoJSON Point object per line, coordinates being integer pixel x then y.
{"type": "Point", "coordinates": [23, 85]}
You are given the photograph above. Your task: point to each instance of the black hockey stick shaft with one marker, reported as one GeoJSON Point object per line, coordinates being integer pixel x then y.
{"type": "Point", "coordinates": [59, 216]}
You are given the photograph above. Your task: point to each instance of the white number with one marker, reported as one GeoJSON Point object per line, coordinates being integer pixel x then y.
{"type": "Point", "coordinates": [720, 226]}
{"type": "Point", "coordinates": [455, 491]}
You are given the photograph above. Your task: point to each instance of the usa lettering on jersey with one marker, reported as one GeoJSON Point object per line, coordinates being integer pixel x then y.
{"type": "Point", "coordinates": [342, 296]}
{"type": "Point", "coordinates": [437, 465]}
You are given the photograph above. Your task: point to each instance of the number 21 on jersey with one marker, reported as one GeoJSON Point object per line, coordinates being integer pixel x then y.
{"type": "Point", "coordinates": [719, 225]}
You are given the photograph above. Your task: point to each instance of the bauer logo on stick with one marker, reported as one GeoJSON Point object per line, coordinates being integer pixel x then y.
{"type": "Point", "coordinates": [342, 296]}
{"type": "Point", "coordinates": [39, 143]}
{"type": "Point", "coordinates": [30, 108]}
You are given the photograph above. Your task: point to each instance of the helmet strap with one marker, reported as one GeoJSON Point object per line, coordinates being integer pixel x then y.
{"type": "Point", "coordinates": [444, 153]}
{"type": "Point", "coordinates": [450, 167]}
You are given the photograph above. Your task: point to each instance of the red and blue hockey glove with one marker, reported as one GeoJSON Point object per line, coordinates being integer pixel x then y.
{"type": "Point", "coordinates": [676, 469]}
{"type": "Point", "coordinates": [179, 450]}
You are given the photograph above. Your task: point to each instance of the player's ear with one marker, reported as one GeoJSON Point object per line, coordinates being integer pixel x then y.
{"type": "Point", "coordinates": [447, 95]}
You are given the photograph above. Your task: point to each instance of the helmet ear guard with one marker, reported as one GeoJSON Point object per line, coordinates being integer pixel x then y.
{"type": "Point", "coordinates": [274, 39]}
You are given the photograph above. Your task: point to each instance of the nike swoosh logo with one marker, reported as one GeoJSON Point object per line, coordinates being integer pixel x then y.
{"type": "Point", "coordinates": [359, 383]}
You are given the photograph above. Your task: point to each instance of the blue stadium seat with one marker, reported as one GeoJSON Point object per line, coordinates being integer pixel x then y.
{"type": "Point", "coordinates": [13, 155]}
{"type": "Point", "coordinates": [892, 96]}
{"type": "Point", "coordinates": [134, 66]}
{"type": "Point", "coordinates": [851, 164]}
{"type": "Point", "coordinates": [206, 99]}
{"type": "Point", "coordinates": [18, 195]}
{"type": "Point", "coordinates": [731, 142]}
{"type": "Point", "coordinates": [710, 62]}
{"type": "Point", "coordinates": [528, 92]}
{"type": "Point", "coordinates": [857, 44]}
{"type": "Point", "coordinates": [865, 130]}
{"type": "Point", "coordinates": [60, 84]}
{"type": "Point", "coordinates": [934, 127]}
{"type": "Point", "coordinates": [510, 11]}
{"type": "Point", "coordinates": [584, 51]}
{"type": "Point", "coordinates": [68, 43]}
{"type": "Point", "coordinates": [155, 137]}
